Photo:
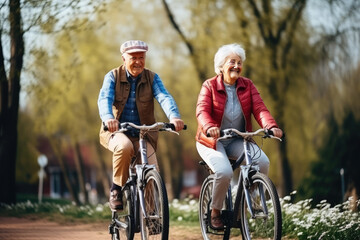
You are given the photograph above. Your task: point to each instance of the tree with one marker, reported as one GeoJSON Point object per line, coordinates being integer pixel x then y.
{"type": "Point", "coordinates": [20, 20]}
{"type": "Point", "coordinates": [10, 91]}
{"type": "Point", "coordinates": [77, 69]}
{"type": "Point", "coordinates": [277, 34]}
{"type": "Point", "coordinates": [337, 153]}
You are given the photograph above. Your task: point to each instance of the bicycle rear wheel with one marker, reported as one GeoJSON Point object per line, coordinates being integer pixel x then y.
{"type": "Point", "coordinates": [156, 225]}
{"type": "Point", "coordinates": [123, 221]}
{"type": "Point", "coordinates": [205, 212]}
{"type": "Point", "coordinates": [267, 220]}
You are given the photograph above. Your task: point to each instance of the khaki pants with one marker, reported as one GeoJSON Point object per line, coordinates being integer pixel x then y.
{"type": "Point", "coordinates": [124, 148]}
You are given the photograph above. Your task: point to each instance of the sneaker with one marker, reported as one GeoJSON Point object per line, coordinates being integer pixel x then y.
{"type": "Point", "coordinates": [115, 200]}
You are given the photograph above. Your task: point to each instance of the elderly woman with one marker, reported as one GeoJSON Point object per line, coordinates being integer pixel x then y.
{"type": "Point", "coordinates": [227, 101]}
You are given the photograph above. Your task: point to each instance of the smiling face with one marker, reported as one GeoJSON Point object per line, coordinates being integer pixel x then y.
{"type": "Point", "coordinates": [232, 68]}
{"type": "Point", "coordinates": [134, 62]}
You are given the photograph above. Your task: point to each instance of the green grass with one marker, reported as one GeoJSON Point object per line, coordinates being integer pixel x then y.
{"type": "Point", "coordinates": [300, 221]}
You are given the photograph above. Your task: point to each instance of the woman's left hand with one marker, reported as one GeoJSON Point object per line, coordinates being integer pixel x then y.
{"type": "Point", "coordinates": [277, 132]}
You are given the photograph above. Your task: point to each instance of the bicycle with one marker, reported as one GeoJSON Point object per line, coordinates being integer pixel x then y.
{"type": "Point", "coordinates": [145, 202]}
{"type": "Point", "coordinates": [256, 211]}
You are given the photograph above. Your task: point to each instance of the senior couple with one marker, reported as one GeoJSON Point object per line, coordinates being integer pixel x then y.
{"type": "Point", "coordinates": [226, 100]}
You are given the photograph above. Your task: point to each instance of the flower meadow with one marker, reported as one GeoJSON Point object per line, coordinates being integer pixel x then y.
{"type": "Point", "coordinates": [300, 220]}
{"type": "Point", "coordinates": [322, 222]}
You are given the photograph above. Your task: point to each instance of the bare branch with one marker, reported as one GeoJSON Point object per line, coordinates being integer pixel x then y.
{"type": "Point", "coordinates": [259, 18]}
{"type": "Point", "coordinates": [292, 18]}
{"type": "Point", "coordinates": [292, 29]}
{"type": "Point", "coordinates": [177, 28]}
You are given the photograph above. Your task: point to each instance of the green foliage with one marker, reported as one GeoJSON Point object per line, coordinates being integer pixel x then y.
{"type": "Point", "coordinates": [69, 67]}
{"type": "Point", "coordinates": [337, 152]}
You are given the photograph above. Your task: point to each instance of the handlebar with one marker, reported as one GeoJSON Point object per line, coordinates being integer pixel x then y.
{"type": "Point", "coordinates": [232, 133]}
{"type": "Point", "coordinates": [158, 126]}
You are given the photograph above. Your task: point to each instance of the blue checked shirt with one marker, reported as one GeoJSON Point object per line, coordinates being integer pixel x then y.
{"type": "Point", "coordinates": [107, 96]}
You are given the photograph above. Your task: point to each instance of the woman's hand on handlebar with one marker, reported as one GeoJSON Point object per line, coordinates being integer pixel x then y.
{"type": "Point", "coordinates": [213, 132]}
{"type": "Point", "coordinates": [112, 125]}
{"type": "Point", "coordinates": [178, 123]}
{"type": "Point", "coordinates": [277, 132]}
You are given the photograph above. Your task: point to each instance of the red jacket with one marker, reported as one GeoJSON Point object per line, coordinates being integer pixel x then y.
{"type": "Point", "coordinates": [211, 106]}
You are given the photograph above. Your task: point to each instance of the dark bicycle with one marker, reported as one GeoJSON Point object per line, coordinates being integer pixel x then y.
{"type": "Point", "coordinates": [145, 202]}
{"type": "Point", "coordinates": [256, 211]}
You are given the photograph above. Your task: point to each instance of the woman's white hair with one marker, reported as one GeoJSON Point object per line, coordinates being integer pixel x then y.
{"type": "Point", "coordinates": [224, 51]}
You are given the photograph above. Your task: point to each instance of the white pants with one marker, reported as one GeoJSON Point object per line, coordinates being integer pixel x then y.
{"type": "Point", "coordinates": [218, 161]}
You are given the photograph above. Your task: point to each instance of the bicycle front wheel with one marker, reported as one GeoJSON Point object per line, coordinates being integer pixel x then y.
{"type": "Point", "coordinates": [205, 212]}
{"type": "Point", "coordinates": [156, 225]}
{"type": "Point", "coordinates": [265, 223]}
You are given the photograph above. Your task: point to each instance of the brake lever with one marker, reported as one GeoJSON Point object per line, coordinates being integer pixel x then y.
{"type": "Point", "coordinates": [270, 134]}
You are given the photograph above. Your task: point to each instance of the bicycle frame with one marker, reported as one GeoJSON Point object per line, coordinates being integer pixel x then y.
{"type": "Point", "coordinates": [136, 178]}
{"type": "Point", "coordinates": [246, 170]}
{"type": "Point", "coordinates": [136, 182]}
{"type": "Point", "coordinates": [251, 201]}
{"type": "Point", "coordinates": [141, 170]}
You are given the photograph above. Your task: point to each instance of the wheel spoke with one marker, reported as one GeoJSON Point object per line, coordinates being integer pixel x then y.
{"type": "Point", "coordinates": [156, 225]}
{"type": "Point", "coordinates": [266, 221]}
{"type": "Point", "coordinates": [205, 212]}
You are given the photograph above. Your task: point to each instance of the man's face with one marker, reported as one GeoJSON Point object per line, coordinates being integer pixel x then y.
{"type": "Point", "coordinates": [134, 62]}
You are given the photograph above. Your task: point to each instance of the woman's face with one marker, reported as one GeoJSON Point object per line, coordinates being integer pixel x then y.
{"type": "Point", "coordinates": [232, 68]}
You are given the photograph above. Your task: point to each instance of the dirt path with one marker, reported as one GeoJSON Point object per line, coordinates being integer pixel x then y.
{"type": "Point", "coordinates": [12, 228]}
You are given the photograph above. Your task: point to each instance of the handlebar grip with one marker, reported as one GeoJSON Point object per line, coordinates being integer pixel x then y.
{"type": "Point", "coordinates": [172, 126]}
{"type": "Point", "coordinates": [222, 133]}
{"type": "Point", "coordinates": [106, 127]}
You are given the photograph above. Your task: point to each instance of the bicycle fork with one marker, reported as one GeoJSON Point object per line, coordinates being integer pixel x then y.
{"type": "Point", "coordinates": [247, 185]}
{"type": "Point", "coordinates": [140, 174]}
{"type": "Point", "coordinates": [140, 186]}
{"type": "Point", "coordinates": [246, 172]}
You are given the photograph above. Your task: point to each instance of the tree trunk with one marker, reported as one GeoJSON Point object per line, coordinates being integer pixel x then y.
{"type": "Point", "coordinates": [285, 177]}
{"type": "Point", "coordinates": [10, 91]}
{"type": "Point", "coordinates": [64, 168]}
{"type": "Point", "coordinates": [79, 163]}
{"type": "Point", "coordinates": [105, 180]}
{"type": "Point", "coordinates": [165, 167]}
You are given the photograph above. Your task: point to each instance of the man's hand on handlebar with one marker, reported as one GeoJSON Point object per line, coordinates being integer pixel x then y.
{"type": "Point", "coordinates": [178, 123]}
{"type": "Point", "coordinates": [112, 125]}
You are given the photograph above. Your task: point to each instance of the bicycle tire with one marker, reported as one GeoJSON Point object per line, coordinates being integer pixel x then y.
{"type": "Point", "coordinates": [205, 212]}
{"type": "Point", "coordinates": [124, 219]}
{"type": "Point", "coordinates": [266, 224]}
{"type": "Point", "coordinates": [156, 226]}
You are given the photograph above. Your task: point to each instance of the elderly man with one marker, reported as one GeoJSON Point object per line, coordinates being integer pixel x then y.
{"type": "Point", "coordinates": [127, 95]}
